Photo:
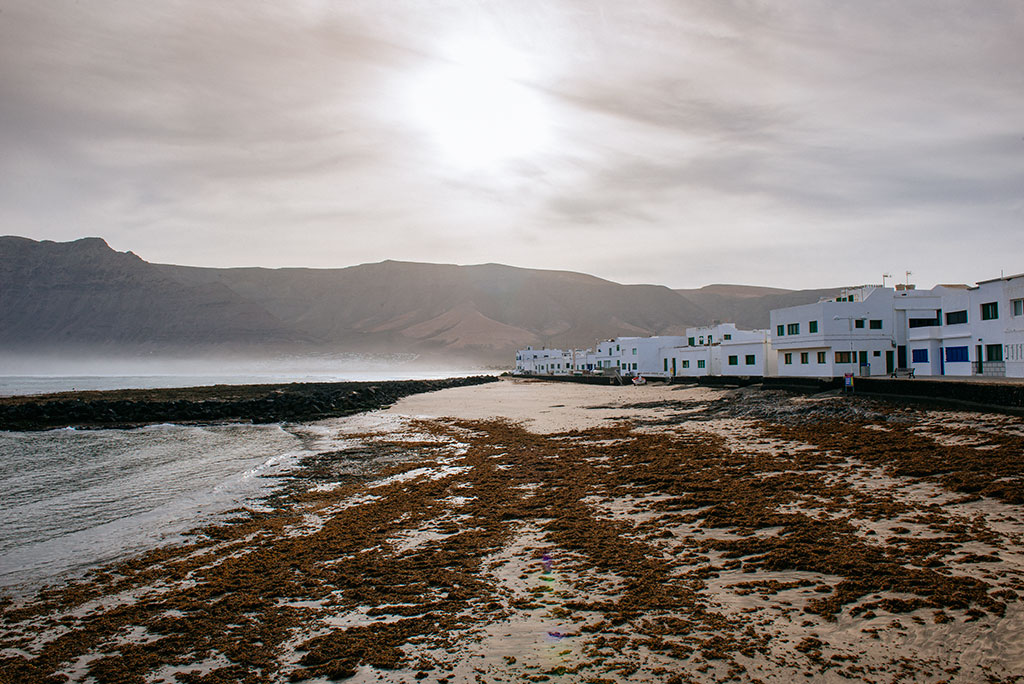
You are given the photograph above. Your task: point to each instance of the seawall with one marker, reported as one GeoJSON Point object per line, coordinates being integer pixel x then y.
{"type": "Point", "coordinates": [1002, 396]}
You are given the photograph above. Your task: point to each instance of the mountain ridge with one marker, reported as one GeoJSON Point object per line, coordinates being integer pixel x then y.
{"type": "Point", "coordinates": [82, 293]}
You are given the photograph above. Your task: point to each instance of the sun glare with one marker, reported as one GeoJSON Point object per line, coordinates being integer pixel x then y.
{"type": "Point", "coordinates": [475, 110]}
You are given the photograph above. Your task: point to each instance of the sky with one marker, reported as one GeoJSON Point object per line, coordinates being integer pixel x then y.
{"type": "Point", "coordinates": [791, 144]}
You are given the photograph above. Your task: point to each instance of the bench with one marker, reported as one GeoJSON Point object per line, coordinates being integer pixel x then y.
{"type": "Point", "coordinates": [902, 373]}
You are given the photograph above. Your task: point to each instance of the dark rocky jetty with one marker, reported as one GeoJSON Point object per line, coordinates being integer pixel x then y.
{"type": "Point", "coordinates": [218, 403]}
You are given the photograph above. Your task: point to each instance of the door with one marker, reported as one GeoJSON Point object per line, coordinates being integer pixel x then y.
{"type": "Point", "coordinates": [673, 366]}
{"type": "Point", "coordinates": [901, 356]}
{"type": "Point", "coordinates": [942, 361]}
{"type": "Point", "coordinates": [890, 362]}
{"type": "Point", "coordinates": [981, 368]}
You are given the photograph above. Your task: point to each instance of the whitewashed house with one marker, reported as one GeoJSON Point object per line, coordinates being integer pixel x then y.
{"type": "Point", "coordinates": [950, 330]}
{"type": "Point", "coordinates": [607, 355]}
{"type": "Point", "coordinates": [956, 330]}
{"type": "Point", "coordinates": [643, 355]}
{"type": "Point", "coordinates": [720, 349]}
{"type": "Point", "coordinates": [997, 332]}
{"type": "Point", "coordinates": [532, 361]}
{"type": "Point", "coordinates": [853, 333]}
{"type": "Point", "coordinates": [580, 360]}
{"type": "Point", "coordinates": [931, 327]}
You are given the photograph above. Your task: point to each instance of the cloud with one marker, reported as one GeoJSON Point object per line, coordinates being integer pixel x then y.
{"type": "Point", "coordinates": [689, 139]}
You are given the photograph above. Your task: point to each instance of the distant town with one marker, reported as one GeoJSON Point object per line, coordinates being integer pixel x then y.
{"type": "Point", "coordinates": [868, 330]}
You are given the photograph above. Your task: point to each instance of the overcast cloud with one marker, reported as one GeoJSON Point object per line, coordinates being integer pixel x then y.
{"type": "Point", "coordinates": [796, 144]}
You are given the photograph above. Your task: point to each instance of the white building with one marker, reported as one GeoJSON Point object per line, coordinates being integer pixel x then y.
{"type": "Point", "coordinates": [853, 333]}
{"type": "Point", "coordinates": [720, 349]}
{"type": "Point", "coordinates": [952, 330]}
{"type": "Point", "coordinates": [971, 330]}
{"type": "Point", "coordinates": [643, 355]}
{"type": "Point", "coordinates": [532, 361]}
{"type": "Point", "coordinates": [607, 355]}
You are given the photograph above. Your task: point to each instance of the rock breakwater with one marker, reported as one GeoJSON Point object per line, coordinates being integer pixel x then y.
{"type": "Point", "coordinates": [219, 403]}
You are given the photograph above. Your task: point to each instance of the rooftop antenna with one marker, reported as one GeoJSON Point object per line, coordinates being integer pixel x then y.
{"type": "Point", "coordinates": [884, 276]}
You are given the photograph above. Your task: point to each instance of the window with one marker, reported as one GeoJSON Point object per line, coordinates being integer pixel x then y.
{"type": "Point", "coordinates": [876, 353]}
{"type": "Point", "coordinates": [812, 326]}
{"type": "Point", "coordinates": [727, 336]}
{"type": "Point", "coordinates": [780, 330]}
{"type": "Point", "coordinates": [923, 322]}
{"type": "Point", "coordinates": [702, 339]}
{"type": "Point", "coordinates": [788, 358]}
{"type": "Point", "coordinates": [634, 366]}
{"type": "Point", "coordinates": [689, 341]}
{"type": "Point", "coordinates": [859, 323]}
{"type": "Point", "coordinates": [700, 363]}
{"type": "Point", "coordinates": [877, 324]}
{"type": "Point", "coordinates": [793, 329]}
{"type": "Point", "coordinates": [665, 365]}
{"type": "Point", "coordinates": [634, 351]}
{"type": "Point", "coordinates": [805, 357]}
{"type": "Point", "coordinates": [686, 363]}
{"type": "Point", "coordinates": [919, 355]}
{"type": "Point", "coordinates": [750, 360]}
{"type": "Point", "coordinates": [990, 311]}
{"type": "Point", "coordinates": [1017, 307]}
{"type": "Point", "coordinates": [734, 360]}
{"type": "Point", "coordinates": [956, 317]}
{"type": "Point", "coordinates": [821, 357]}
{"type": "Point", "coordinates": [993, 352]}
{"type": "Point", "coordinates": [844, 357]}
{"type": "Point", "coordinates": [956, 354]}
{"type": "Point", "coordinates": [709, 339]}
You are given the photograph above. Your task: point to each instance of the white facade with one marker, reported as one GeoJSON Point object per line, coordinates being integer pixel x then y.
{"type": "Point", "coordinates": [967, 331]}
{"type": "Point", "coordinates": [643, 355]}
{"type": "Point", "coordinates": [532, 361]}
{"type": "Point", "coordinates": [950, 330]}
{"type": "Point", "coordinates": [720, 349]}
{"type": "Point", "coordinates": [853, 333]}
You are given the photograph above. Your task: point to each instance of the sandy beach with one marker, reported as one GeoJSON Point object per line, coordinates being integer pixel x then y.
{"type": "Point", "coordinates": [536, 531]}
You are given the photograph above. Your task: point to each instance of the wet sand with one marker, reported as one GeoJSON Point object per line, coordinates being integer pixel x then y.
{"type": "Point", "coordinates": [532, 531]}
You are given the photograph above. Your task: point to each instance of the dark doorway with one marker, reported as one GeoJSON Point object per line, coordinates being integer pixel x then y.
{"type": "Point", "coordinates": [901, 356]}
{"type": "Point", "coordinates": [890, 362]}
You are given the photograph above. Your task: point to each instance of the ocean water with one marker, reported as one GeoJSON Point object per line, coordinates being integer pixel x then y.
{"type": "Point", "coordinates": [72, 500]}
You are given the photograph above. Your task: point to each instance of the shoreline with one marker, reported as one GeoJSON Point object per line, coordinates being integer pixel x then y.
{"type": "Point", "coordinates": [529, 530]}
{"type": "Point", "coordinates": [265, 403]}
